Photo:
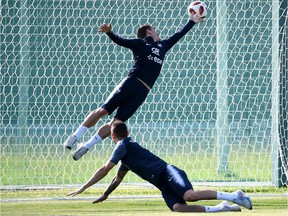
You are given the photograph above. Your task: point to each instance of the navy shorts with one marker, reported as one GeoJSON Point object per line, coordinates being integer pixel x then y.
{"type": "Point", "coordinates": [126, 97]}
{"type": "Point", "coordinates": [173, 184]}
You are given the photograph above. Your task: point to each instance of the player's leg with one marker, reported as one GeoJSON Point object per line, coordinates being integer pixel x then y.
{"type": "Point", "coordinates": [175, 201]}
{"type": "Point", "coordinates": [177, 204]}
{"type": "Point", "coordinates": [221, 207]}
{"type": "Point", "coordinates": [188, 208]}
{"type": "Point", "coordinates": [127, 100]}
{"type": "Point", "coordinates": [112, 102]}
{"type": "Point", "coordinates": [237, 197]}
{"type": "Point", "coordinates": [178, 181]}
{"type": "Point", "coordinates": [90, 121]}
{"type": "Point", "coordinates": [138, 94]}
{"type": "Point", "coordinates": [94, 117]}
{"type": "Point", "coordinates": [102, 133]}
{"type": "Point", "coordinates": [192, 196]}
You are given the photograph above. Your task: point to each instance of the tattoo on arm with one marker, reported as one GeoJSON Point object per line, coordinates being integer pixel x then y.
{"type": "Point", "coordinates": [115, 182]}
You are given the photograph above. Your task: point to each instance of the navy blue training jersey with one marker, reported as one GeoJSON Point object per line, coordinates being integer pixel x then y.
{"type": "Point", "coordinates": [149, 55]}
{"type": "Point", "coordinates": [139, 160]}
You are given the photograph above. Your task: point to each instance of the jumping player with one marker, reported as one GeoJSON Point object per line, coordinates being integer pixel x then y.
{"type": "Point", "coordinates": [149, 52]}
{"type": "Point", "coordinates": [170, 180]}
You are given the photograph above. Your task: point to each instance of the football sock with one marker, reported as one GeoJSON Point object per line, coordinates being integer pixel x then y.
{"type": "Point", "coordinates": [216, 208]}
{"type": "Point", "coordinates": [92, 141]}
{"type": "Point", "coordinates": [226, 196]}
{"type": "Point", "coordinates": [80, 130]}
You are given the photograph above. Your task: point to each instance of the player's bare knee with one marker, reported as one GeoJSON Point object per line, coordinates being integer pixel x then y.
{"type": "Point", "coordinates": [190, 196]}
{"type": "Point", "coordinates": [104, 131]}
{"type": "Point", "coordinates": [100, 112]}
{"type": "Point", "coordinates": [179, 207]}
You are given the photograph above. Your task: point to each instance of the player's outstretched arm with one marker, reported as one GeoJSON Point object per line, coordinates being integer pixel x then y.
{"type": "Point", "coordinates": [99, 174]}
{"type": "Point", "coordinates": [128, 43]}
{"type": "Point", "coordinates": [171, 41]}
{"type": "Point", "coordinates": [113, 185]}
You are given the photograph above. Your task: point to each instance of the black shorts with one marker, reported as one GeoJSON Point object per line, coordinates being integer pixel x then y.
{"type": "Point", "coordinates": [126, 97]}
{"type": "Point", "coordinates": [173, 185]}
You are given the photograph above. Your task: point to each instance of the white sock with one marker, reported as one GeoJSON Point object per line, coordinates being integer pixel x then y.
{"type": "Point", "coordinates": [216, 208]}
{"type": "Point", "coordinates": [226, 196]}
{"type": "Point", "coordinates": [80, 130]}
{"type": "Point", "coordinates": [92, 141]}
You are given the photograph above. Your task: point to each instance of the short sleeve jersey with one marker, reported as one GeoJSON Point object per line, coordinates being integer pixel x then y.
{"type": "Point", "coordinates": [139, 160]}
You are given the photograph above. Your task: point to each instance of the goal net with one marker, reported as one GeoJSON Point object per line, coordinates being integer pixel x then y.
{"type": "Point", "coordinates": [218, 109]}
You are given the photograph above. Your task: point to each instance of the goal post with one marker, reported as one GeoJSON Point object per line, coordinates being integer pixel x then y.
{"type": "Point", "coordinates": [222, 121]}
{"type": "Point", "coordinates": [218, 109]}
{"type": "Point", "coordinates": [282, 160]}
{"type": "Point", "coordinates": [279, 95]}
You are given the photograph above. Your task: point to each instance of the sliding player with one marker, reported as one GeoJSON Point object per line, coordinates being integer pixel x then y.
{"type": "Point", "coordinates": [170, 180]}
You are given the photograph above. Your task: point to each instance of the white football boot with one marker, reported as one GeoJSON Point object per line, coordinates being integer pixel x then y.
{"type": "Point", "coordinates": [224, 206]}
{"type": "Point", "coordinates": [243, 200]}
{"type": "Point", "coordinates": [70, 142]}
{"type": "Point", "coordinates": [80, 152]}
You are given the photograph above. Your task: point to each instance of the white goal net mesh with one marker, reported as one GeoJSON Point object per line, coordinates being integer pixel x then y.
{"type": "Point", "coordinates": [218, 109]}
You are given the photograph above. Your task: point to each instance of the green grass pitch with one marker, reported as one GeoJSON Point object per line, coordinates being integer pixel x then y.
{"type": "Point", "coordinates": [26, 169]}
{"type": "Point", "coordinates": [262, 206]}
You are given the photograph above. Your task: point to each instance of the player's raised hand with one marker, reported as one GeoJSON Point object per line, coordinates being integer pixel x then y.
{"type": "Point", "coordinates": [74, 193]}
{"type": "Point", "coordinates": [196, 18]}
{"type": "Point", "coordinates": [101, 199]}
{"type": "Point", "coordinates": [105, 28]}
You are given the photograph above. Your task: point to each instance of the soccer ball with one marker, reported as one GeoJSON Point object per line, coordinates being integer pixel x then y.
{"type": "Point", "coordinates": [199, 8]}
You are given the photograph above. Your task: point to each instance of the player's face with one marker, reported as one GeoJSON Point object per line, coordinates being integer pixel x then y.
{"type": "Point", "coordinates": [152, 32]}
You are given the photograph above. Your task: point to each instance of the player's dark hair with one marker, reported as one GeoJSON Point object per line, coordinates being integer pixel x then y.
{"type": "Point", "coordinates": [141, 32]}
{"type": "Point", "coordinates": [119, 129]}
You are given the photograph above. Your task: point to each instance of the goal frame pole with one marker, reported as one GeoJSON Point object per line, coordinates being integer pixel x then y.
{"type": "Point", "coordinates": [222, 122]}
